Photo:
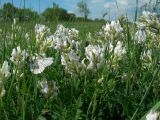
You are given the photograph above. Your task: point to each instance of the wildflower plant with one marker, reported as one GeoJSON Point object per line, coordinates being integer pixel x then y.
{"type": "Point", "coordinates": [62, 75]}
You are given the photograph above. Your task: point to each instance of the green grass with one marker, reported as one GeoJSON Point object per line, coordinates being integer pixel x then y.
{"type": "Point", "coordinates": [83, 27]}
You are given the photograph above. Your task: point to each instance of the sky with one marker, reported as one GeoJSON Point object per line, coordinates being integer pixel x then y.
{"type": "Point", "coordinates": [97, 7]}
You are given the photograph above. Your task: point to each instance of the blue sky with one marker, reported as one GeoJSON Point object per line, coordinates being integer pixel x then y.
{"type": "Point", "coordinates": [97, 7]}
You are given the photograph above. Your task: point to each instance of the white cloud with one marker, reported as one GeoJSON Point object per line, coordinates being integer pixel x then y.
{"type": "Point", "coordinates": [95, 1]}
{"type": "Point", "coordinates": [117, 8]}
{"type": "Point", "coordinates": [109, 5]}
{"type": "Point", "coordinates": [70, 12]}
{"type": "Point", "coordinates": [122, 2]}
{"type": "Point", "coordinates": [124, 7]}
{"type": "Point", "coordinates": [128, 7]}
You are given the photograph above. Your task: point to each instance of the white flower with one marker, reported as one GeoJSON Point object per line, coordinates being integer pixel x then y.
{"type": "Point", "coordinates": [111, 32]}
{"type": "Point", "coordinates": [61, 29]}
{"type": "Point", "coordinates": [38, 64]}
{"type": "Point", "coordinates": [93, 52]}
{"type": "Point", "coordinates": [27, 37]}
{"type": "Point", "coordinates": [147, 58]}
{"type": "Point", "coordinates": [2, 90]}
{"type": "Point", "coordinates": [148, 15]}
{"type": "Point", "coordinates": [18, 56]}
{"type": "Point", "coordinates": [73, 33]}
{"type": "Point", "coordinates": [47, 43]}
{"type": "Point", "coordinates": [44, 86]}
{"type": "Point", "coordinates": [65, 39]}
{"type": "Point", "coordinates": [152, 115]}
{"type": "Point", "coordinates": [63, 61]}
{"type": "Point", "coordinates": [119, 50]}
{"type": "Point", "coordinates": [91, 65]}
{"type": "Point", "coordinates": [140, 25]}
{"type": "Point", "coordinates": [95, 55]}
{"type": "Point", "coordinates": [40, 32]}
{"type": "Point", "coordinates": [140, 36]}
{"type": "Point", "coordinates": [61, 43]}
{"type": "Point", "coordinates": [5, 71]}
{"type": "Point", "coordinates": [147, 54]}
{"type": "Point", "coordinates": [151, 21]}
{"type": "Point", "coordinates": [48, 88]}
{"type": "Point", "coordinates": [114, 26]}
{"type": "Point", "coordinates": [14, 21]}
{"type": "Point", "coordinates": [41, 29]}
{"type": "Point", "coordinates": [71, 62]}
{"type": "Point", "coordinates": [73, 56]}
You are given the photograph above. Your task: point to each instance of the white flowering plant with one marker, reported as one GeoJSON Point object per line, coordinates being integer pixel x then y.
{"type": "Point", "coordinates": [81, 71]}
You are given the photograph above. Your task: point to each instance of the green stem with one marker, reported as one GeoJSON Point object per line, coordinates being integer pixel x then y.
{"type": "Point", "coordinates": [145, 95]}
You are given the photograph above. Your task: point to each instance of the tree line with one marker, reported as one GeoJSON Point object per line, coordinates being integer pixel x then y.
{"type": "Point", "coordinates": [55, 13]}
{"type": "Point", "coordinates": [9, 11]}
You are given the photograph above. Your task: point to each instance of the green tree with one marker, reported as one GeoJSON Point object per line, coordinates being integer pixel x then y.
{"type": "Point", "coordinates": [56, 13]}
{"type": "Point", "coordinates": [83, 8]}
{"type": "Point", "coordinates": [9, 11]}
{"type": "Point", "coordinates": [26, 15]}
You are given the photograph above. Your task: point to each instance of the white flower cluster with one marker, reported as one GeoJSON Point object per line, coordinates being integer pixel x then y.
{"type": "Point", "coordinates": [113, 26]}
{"type": "Point", "coordinates": [40, 32]}
{"type": "Point", "coordinates": [71, 62]}
{"type": "Point", "coordinates": [140, 36]}
{"type": "Point", "coordinates": [66, 39]}
{"type": "Point", "coordinates": [2, 89]}
{"type": "Point", "coordinates": [149, 18]}
{"type": "Point", "coordinates": [93, 61]}
{"type": "Point", "coordinates": [66, 33]}
{"type": "Point", "coordinates": [95, 55]}
{"type": "Point", "coordinates": [48, 88]}
{"type": "Point", "coordinates": [43, 38]}
{"type": "Point", "coordinates": [148, 26]}
{"type": "Point", "coordinates": [118, 50]}
{"type": "Point", "coordinates": [146, 57]}
{"type": "Point", "coordinates": [47, 43]}
{"type": "Point", "coordinates": [113, 31]}
{"type": "Point", "coordinates": [5, 71]}
{"type": "Point", "coordinates": [4, 75]}
{"type": "Point", "coordinates": [153, 115]}
{"type": "Point", "coordinates": [18, 56]}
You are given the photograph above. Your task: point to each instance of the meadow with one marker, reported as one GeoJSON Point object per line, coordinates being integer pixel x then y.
{"type": "Point", "coordinates": [80, 70]}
